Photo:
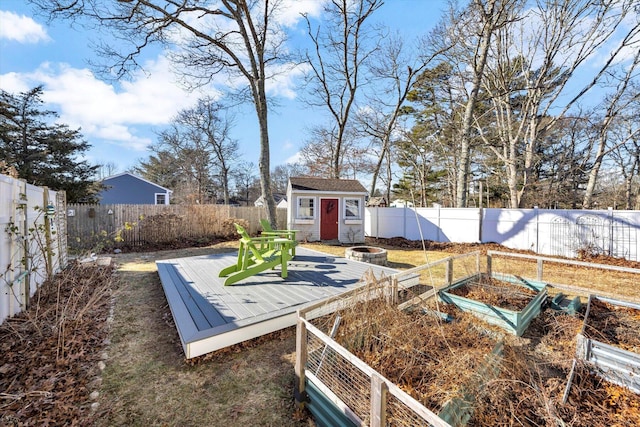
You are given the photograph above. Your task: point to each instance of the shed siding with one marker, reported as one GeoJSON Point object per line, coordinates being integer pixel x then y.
{"type": "Point", "coordinates": [127, 189]}
{"type": "Point", "coordinates": [352, 232]}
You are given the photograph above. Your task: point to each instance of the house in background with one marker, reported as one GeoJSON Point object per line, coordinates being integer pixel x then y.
{"type": "Point", "coordinates": [377, 202]}
{"type": "Point", "coordinates": [401, 203]}
{"type": "Point", "coordinates": [127, 188]}
{"type": "Point", "coordinates": [280, 199]}
{"type": "Point", "coordinates": [326, 209]}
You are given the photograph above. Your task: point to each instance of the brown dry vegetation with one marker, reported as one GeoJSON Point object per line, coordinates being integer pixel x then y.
{"type": "Point", "coordinates": [50, 356]}
{"type": "Point", "coordinates": [496, 293]}
{"type": "Point", "coordinates": [435, 361]}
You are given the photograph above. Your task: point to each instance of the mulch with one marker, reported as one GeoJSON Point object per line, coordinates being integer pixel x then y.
{"type": "Point", "coordinates": [50, 354]}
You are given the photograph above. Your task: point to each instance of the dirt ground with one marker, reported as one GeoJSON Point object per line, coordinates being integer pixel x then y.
{"type": "Point", "coordinates": [98, 347]}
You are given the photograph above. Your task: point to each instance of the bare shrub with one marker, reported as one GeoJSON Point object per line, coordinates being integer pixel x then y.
{"type": "Point", "coordinates": [49, 353]}
{"type": "Point", "coordinates": [229, 231]}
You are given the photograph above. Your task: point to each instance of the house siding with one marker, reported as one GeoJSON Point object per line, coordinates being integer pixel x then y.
{"type": "Point", "coordinates": [127, 189]}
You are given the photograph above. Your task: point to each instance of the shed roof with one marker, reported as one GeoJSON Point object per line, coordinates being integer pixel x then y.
{"type": "Point", "coordinates": [326, 184]}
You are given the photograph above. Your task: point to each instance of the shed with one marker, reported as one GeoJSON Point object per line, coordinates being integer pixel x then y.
{"type": "Point", "coordinates": [127, 188]}
{"type": "Point", "coordinates": [326, 209]}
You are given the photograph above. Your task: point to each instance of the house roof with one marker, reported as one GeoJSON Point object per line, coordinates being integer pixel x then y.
{"type": "Point", "coordinates": [327, 185]}
{"type": "Point", "coordinates": [137, 177]}
{"type": "Point", "coordinates": [277, 197]}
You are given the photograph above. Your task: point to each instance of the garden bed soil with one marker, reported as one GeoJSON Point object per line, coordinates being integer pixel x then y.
{"type": "Point", "coordinates": [50, 355]}
{"type": "Point", "coordinates": [495, 292]}
{"type": "Point", "coordinates": [614, 325]}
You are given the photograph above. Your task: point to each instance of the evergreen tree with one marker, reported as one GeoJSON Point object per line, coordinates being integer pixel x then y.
{"type": "Point", "coordinates": [43, 153]}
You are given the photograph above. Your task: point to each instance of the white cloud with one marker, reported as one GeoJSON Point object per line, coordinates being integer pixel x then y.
{"type": "Point", "coordinates": [296, 158]}
{"type": "Point", "coordinates": [284, 78]}
{"type": "Point", "coordinates": [83, 99]}
{"type": "Point", "coordinates": [14, 83]}
{"type": "Point", "coordinates": [111, 112]}
{"type": "Point", "coordinates": [21, 28]}
{"type": "Point", "coordinates": [291, 11]}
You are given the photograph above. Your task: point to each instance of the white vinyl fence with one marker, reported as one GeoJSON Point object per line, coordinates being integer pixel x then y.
{"type": "Point", "coordinates": [544, 231]}
{"type": "Point", "coordinates": [33, 241]}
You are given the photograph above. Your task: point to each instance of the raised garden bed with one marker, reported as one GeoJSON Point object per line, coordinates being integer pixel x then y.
{"type": "Point", "coordinates": [610, 340]}
{"type": "Point", "coordinates": [507, 301]}
{"type": "Point", "coordinates": [521, 383]}
{"type": "Point", "coordinates": [432, 361]}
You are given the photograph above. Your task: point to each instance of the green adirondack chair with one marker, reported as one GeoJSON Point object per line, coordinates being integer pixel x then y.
{"type": "Point", "coordinates": [257, 254]}
{"type": "Point", "coordinates": [285, 234]}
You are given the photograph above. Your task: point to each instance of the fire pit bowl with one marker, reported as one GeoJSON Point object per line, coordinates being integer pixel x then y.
{"type": "Point", "coordinates": [370, 254]}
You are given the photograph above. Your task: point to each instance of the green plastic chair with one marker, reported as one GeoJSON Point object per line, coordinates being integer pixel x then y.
{"type": "Point", "coordinates": [285, 234]}
{"type": "Point", "coordinates": [257, 254]}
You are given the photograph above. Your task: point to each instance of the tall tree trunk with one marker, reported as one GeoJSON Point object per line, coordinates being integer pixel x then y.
{"type": "Point", "coordinates": [264, 159]}
{"type": "Point", "coordinates": [489, 25]}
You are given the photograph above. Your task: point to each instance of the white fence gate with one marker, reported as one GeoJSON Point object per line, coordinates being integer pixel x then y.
{"type": "Point", "coordinates": [544, 231]}
{"type": "Point", "coordinates": [33, 241]}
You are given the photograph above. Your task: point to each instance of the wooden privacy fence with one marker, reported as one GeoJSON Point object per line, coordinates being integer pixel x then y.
{"type": "Point", "coordinates": [93, 227]}
{"type": "Point", "coordinates": [33, 243]}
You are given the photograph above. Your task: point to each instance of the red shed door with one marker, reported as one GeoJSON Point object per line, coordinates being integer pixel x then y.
{"type": "Point", "coordinates": [328, 219]}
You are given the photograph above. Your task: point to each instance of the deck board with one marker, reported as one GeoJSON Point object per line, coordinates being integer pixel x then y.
{"type": "Point", "coordinates": [210, 316]}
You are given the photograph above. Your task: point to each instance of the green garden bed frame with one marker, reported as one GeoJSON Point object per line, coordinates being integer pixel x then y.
{"type": "Point", "coordinates": [515, 322]}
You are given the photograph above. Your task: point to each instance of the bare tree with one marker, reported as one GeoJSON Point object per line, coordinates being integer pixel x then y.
{"type": "Point", "coordinates": [207, 124]}
{"type": "Point", "coordinates": [471, 31]}
{"type": "Point", "coordinates": [320, 152]}
{"type": "Point", "coordinates": [190, 159]}
{"type": "Point", "coordinates": [627, 158]}
{"type": "Point", "coordinates": [240, 37]}
{"type": "Point", "coordinates": [533, 59]}
{"type": "Point", "coordinates": [246, 182]}
{"type": "Point", "coordinates": [106, 169]}
{"type": "Point", "coordinates": [626, 95]}
{"type": "Point", "coordinates": [396, 69]}
{"type": "Point", "coordinates": [337, 61]}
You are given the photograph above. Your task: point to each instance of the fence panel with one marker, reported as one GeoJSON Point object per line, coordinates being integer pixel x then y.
{"type": "Point", "coordinates": [32, 248]}
{"type": "Point", "coordinates": [544, 231]}
{"type": "Point", "coordinates": [92, 226]}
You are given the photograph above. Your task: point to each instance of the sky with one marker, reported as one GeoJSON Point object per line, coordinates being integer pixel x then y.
{"type": "Point", "coordinates": [120, 119]}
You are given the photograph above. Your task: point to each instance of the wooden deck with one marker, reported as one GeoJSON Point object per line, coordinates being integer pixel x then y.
{"type": "Point", "coordinates": [210, 316]}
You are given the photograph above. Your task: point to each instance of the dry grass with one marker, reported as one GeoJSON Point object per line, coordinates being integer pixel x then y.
{"type": "Point", "coordinates": [148, 381]}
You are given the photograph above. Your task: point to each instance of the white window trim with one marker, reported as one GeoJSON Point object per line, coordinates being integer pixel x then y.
{"type": "Point", "coordinates": [344, 209]}
{"type": "Point", "coordinates": [315, 209]}
{"type": "Point", "coordinates": [166, 198]}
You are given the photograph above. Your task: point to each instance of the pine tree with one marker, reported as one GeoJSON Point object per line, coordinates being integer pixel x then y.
{"type": "Point", "coordinates": [43, 153]}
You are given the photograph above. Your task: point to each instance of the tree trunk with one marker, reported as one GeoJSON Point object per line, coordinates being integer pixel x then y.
{"type": "Point", "coordinates": [264, 160]}
{"type": "Point", "coordinates": [489, 25]}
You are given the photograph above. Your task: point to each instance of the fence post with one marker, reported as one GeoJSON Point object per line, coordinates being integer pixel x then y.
{"type": "Point", "coordinates": [449, 270]}
{"type": "Point", "coordinates": [47, 232]}
{"type": "Point", "coordinates": [489, 261]}
{"type": "Point", "coordinates": [301, 361]}
{"type": "Point", "coordinates": [480, 219]}
{"type": "Point", "coordinates": [535, 209]}
{"type": "Point", "coordinates": [378, 401]}
{"type": "Point", "coordinates": [540, 269]}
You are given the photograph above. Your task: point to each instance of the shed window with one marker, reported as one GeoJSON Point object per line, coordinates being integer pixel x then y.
{"type": "Point", "coordinates": [352, 208]}
{"type": "Point", "coordinates": [305, 208]}
{"type": "Point", "coordinates": [161, 199]}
